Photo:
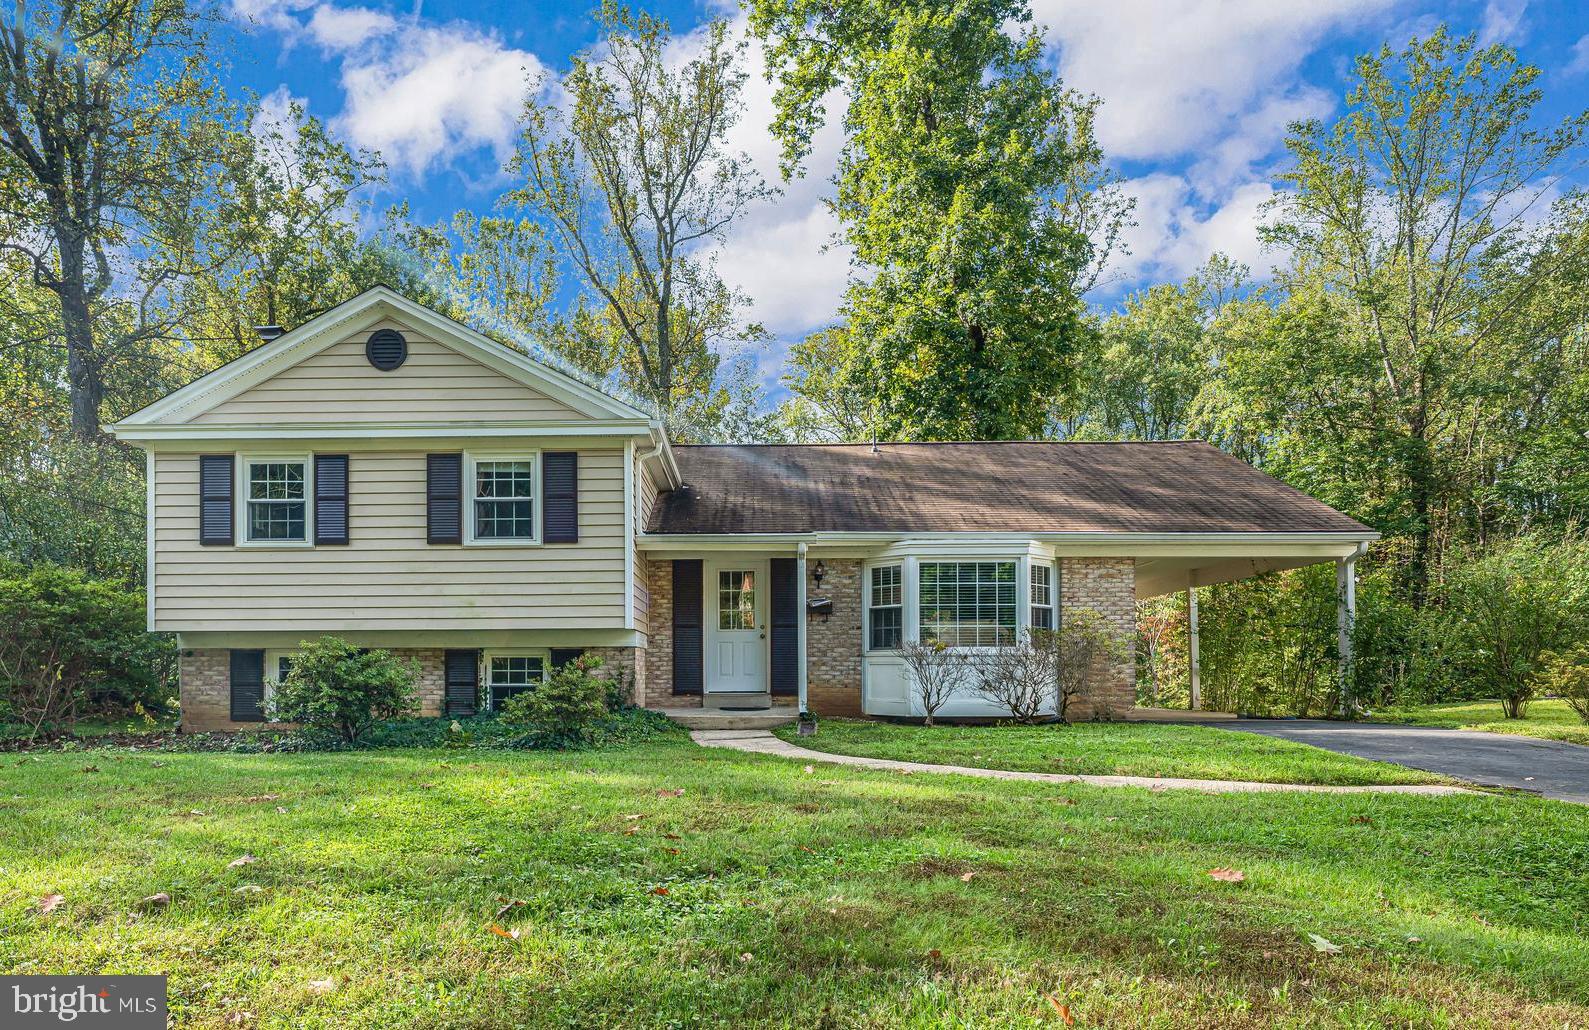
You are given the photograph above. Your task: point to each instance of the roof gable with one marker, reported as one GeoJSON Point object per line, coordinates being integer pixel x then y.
{"type": "Point", "coordinates": [323, 343]}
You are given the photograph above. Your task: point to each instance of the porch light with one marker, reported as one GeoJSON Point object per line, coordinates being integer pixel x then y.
{"type": "Point", "coordinates": [817, 572]}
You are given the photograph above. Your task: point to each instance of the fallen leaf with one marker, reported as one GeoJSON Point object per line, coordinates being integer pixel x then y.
{"type": "Point", "coordinates": [321, 986]}
{"type": "Point", "coordinates": [1061, 1008]}
{"type": "Point", "coordinates": [1225, 875]}
{"type": "Point", "coordinates": [671, 836]}
{"type": "Point", "coordinates": [671, 851]}
{"type": "Point", "coordinates": [248, 888]}
{"type": "Point", "coordinates": [966, 877]}
{"type": "Point", "coordinates": [239, 1018]}
{"type": "Point", "coordinates": [261, 797]}
{"type": "Point", "coordinates": [194, 811]}
{"type": "Point", "coordinates": [1362, 820]}
{"type": "Point", "coordinates": [1414, 939]}
{"type": "Point", "coordinates": [637, 815]}
{"type": "Point", "coordinates": [160, 900]}
{"type": "Point", "coordinates": [631, 831]}
{"type": "Point", "coordinates": [511, 935]}
{"type": "Point", "coordinates": [157, 765]}
{"type": "Point", "coordinates": [281, 810]}
{"type": "Point", "coordinates": [91, 768]}
{"type": "Point", "coordinates": [241, 861]}
{"type": "Point", "coordinates": [807, 850]}
{"type": "Point", "coordinates": [1320, 944]}
{"type": "Point", "coordinates": [676, 792]}
{"type": "Point", "coordinates": [49, 903]}
{"type": "Point", "coordinates": [508, 905]}
{"type": "Point", "coordinates": [811, 768]}
{"type": "Point", "coordinates": [746, 956]}
{"type": "Point", "coordinates": [660, 891]}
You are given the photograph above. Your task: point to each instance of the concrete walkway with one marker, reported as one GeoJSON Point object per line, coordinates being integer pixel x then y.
{"type": "Point", "coordinates": [762, 742]}
{"type": "Point", "coordinates": [1549, 767]}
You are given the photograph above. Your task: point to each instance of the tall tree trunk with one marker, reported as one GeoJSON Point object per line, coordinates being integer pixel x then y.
{"type": "Point", "coordinates": [85, 378]}
{"type": "Point", "coordinates": [1421, 496]}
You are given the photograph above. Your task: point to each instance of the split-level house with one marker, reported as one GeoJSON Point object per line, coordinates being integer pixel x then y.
{"type": "Point", "coordinates": [390, 476]}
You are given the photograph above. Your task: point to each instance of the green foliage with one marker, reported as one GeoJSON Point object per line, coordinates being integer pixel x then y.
{"type": "Point", "coordinates": [1505, 610]}
{"type": "Point", "coordinates": [1565, 674]}
{"type": "Point", "coordinates": [567, 707]}
{"type": "Point", "coordinates": [972, 191]}
{"type": "Point", "coordinates": [336, 687]}
{"type": "Point", "coordinates": [73, 645]}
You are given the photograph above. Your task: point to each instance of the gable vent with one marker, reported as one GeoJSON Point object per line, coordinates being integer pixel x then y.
{"type": "Point", "coordinates": [386, 349]}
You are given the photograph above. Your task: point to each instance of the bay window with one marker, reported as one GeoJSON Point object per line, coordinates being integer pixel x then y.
{"type": "Point", "coordinates": [1042, 595]}
{"type": "Point", "coordinates": [968, 604]}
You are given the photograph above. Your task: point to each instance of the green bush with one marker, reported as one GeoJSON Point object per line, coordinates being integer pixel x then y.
{"type": "Point", "coordinates": [1506, 609]}
{"type": "Point", "coordinates": [72, 645]}
{"type": "Point", "coordinates": [1565, 674]}
{"type": "Point", "coordinates": [343, 689]}
{"type": "Point", "coordinates": [566, 707]}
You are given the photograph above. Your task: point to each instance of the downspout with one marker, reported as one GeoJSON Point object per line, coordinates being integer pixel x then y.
{"type": "Point", "coordinates": [800, 608]}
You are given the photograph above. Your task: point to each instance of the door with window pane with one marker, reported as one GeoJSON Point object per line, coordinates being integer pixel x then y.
{"type": "Point", "coordinates": [736, 626]}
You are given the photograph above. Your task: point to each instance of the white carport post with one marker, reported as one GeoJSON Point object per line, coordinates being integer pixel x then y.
{"type": "Point", "coordinates": [1345, 619]}
{"type": "Point", "coordinates": [1193, 661]}
{"type": "Point", "coordinates": [800, 636]}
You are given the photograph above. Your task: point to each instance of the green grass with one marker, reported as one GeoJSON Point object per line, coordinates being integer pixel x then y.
{"type": "Point", "coordinates": [1552, 720]}
{"type": "Point", "coordinates": [1121, 749]}
{"type": "Point", "coordinates": [766, 895]}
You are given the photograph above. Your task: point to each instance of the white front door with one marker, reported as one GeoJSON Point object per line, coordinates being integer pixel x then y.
{"type": "Point", "coordinates": [736, 626]}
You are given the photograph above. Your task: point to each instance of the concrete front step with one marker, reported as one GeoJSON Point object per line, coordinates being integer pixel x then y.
{"type": "Point", "coordinates": [715, 719]}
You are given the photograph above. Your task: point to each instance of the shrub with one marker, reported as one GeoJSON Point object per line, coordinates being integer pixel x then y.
{"type": "Point", "coordinates": [335, 686]}
{"type": "Point", "coordinates": [1083, 642]}
{"type": "Point", "coordinates": [69, 643]}
{"type": "Point", "coordinates": [935, 673]}
{"type": "Point", "coordinates": [1566, 675]}
{"type": "Point", "coordinates": [1019, 678]}
{"type": "Point", "coordinates": [566, 707]}
{"type": "Point", "coordinates": [1506, 609]}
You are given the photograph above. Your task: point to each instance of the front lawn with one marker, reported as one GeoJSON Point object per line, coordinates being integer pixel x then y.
{"type": "Point", "coordinates": [1119, 749]}
{"type": "Point", "coordinates": [663, 884]}
{"type": "Point", "coordinates": [1552, 720]}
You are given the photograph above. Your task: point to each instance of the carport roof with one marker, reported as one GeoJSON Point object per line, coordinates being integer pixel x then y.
{"type": "Point", "coordinates": [1180, 486]}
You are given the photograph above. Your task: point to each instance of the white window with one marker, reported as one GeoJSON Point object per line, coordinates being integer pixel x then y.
{"type": "Point", "coordinates": [276, 492]}
{"type": "Point", "coordinates": [885, 623]}
{"type": "Point", "coordinates": [968, 604]}
{"type": "Point", "coordinates": [510, 673]}
{"type": "Point", "coordinates": [1042, 595]}
{"type": "Point", "coordinates": [501, 494]}
{"type": "Point", "coordinates": [277, 665]}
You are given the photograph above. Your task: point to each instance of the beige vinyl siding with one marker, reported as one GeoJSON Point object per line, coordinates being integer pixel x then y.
{"type": "Point", "coordinates": [435, 384]}
{"type": "Point", "coordinates": [388, 577]}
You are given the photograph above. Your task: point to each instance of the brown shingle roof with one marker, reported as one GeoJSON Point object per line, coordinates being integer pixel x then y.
{"type": "Point", "coordinates": [1160, 487]}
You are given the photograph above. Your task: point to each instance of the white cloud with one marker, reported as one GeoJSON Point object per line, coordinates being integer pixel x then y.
{"type": "Point", "coordinates": [343, 28]}
{"type": "Point", "coordinates": [1176, 74]}
{"type": "Point", "coordinates": [1579, 63]}
{"type": "Point", "coordinates": [1175, 234]}
{"type": "Point", "coordinates": [1503, 22]}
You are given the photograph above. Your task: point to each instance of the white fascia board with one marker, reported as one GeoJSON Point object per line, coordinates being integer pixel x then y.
{"type": "Point", "coordinates": [370, 307]}
{"type": "Point", "coordinates": [1120, 544]}
{"type": "Point", "coordinates": [187, 432]}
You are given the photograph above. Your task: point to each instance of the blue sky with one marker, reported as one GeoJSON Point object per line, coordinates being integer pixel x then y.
{"type": "Point", "coordinates": [1196, 95]}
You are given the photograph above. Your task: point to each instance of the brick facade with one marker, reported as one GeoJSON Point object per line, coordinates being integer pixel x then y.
{"type": "Point", "coordinates": [1108, 586]}
{"type": "Point", "coordinates": [658, 662]}
{"type": "Point", "coordinates": [833, 648]}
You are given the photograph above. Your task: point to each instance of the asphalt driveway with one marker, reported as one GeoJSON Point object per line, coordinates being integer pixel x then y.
{"type": "Point", "coordinates": [1548, 767]}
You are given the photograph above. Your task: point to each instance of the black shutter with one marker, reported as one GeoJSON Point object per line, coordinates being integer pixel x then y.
{"type": "Point", "coordinates": [248, 686]}
{"type": "Point", "coordinates": [785, 598]}
{"type": "Point", "coordinates": [561, 656]}
{"type": "Point", "coordinates": [215, 498]}
{"type": "Point", "coordinates": [560, 485]}
{"type": "Point", "coordinates": [444, 498]}
{"type": "Point", "coordinates": [330, 498]}
{"type": "Point", "coordinates": [688, 655]}
{"type": "Point", "coordinates": [463, 682]}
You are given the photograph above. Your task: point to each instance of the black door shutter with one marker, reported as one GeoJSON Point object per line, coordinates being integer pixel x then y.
{"type": "Point", "coordinates": [560, 485]}
{"type": "Point", "coordinates": [248, 686]}
{"type": "Point", "coordinates": [444, 498]}
{"type": "Point", "coordinates": [463, 682]}
{"type": "Point", "coordinates": [330, 498]}
{"type": "Point", "coordinates": [785, 597]}
{"type": "Point", "coordinates": [215, 499]}
{"type": "Point", "coordinates": [561, 656]}
{"type": "Point", "coordinates": [688, 654]}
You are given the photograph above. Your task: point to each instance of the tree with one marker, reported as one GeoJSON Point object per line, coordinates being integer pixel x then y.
{"type": "Point", "coordinates": [1411, 221]}
{"type": "Point", "coordinates": [635, 177]}
{"type": "Point", "coordinates": [936, 672]}
{"type": "Point", "coordinates": [107, 142]}
{"type": "Point", "coordinates": [972, 190]}
{"type": "Point", "coordinates": [827, 404]}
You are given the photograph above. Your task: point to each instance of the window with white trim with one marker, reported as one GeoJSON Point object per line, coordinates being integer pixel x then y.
{"type": "Point", "coordinates": [276, 500]}
{"type": "Point", "coordinates": [502, 506]}
{"type": "Point", "coordinates": [277, 665]}
{"type": "Point", "coordinates": [885, 623]}
{"type": "Point", "coordinates": [1042, 596]}
{"type": "Point", "coordinates": [510, 674]}
{"type": "Point", "coordinates": [968, 604]}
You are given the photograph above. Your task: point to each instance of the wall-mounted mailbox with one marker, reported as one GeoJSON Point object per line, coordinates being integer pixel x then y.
{"type": "Point", "coordinates": [822, 606]}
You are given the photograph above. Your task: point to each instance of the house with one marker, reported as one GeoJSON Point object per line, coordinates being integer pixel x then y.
{"type": "Point", "coordinates": [390, 476]}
